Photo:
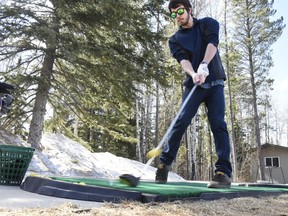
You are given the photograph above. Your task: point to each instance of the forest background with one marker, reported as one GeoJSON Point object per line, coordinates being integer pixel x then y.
{"type": "Point", "coordinates": [100, 72]}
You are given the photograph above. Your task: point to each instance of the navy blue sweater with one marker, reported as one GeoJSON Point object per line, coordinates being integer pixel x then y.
{"type": "Point", "coordinates": [191, 43]}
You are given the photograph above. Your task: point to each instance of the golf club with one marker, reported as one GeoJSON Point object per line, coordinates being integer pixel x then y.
{"type": "Point", "coordinates": [152, 154]}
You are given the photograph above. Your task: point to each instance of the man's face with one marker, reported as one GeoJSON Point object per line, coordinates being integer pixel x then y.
{"type": "Point", "coordinates": [181, 15]}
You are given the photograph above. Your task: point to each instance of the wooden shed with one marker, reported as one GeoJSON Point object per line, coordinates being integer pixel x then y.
{"type": "Point", "coordinates": [276, 163]}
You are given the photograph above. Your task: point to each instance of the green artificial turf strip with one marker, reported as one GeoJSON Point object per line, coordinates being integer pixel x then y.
{"type": "Point", "coordinates": [171, 189]}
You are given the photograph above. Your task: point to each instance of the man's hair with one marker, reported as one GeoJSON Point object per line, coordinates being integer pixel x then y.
{"type": "Point", "coordinates": [177, 3]}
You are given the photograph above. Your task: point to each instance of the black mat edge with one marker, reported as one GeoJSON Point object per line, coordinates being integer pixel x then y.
{"type": "Point", "coordinates": [56, 188]}
{"type": "Point", "coordinates": [232, 195]}
{"type": "Point", "coordinates": [267, 185]}
{"type": "Point", "coordinates": [211, 196]}
{"type": "Point", "coordinates": [49, 187]}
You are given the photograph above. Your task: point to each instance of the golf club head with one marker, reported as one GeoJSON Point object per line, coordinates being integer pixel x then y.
{"type": "Point", "coordinates": [129, 180]}
{"type": "Point", "coordinates": [154, 153]}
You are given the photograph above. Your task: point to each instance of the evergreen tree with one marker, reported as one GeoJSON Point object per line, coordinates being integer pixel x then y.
{"type": "Point", "coordinates": [85, 56]}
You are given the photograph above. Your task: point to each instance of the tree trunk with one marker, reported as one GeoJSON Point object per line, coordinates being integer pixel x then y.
{"type": "Point", "coordinates": [39, 110]}
{"type": "Point", "coordinates": [76, 125]}
{"type": "Point", "coordinates": [190, 140]}
{"type": "Point", "coordinates": [200, 151]}
{"type": "Point", "coordinates": [44, 85]}
{"type": "Point", "coordinates": [257, 130]}
{"type": "Point", "coordinates": [234, 158]}
{"type": "Point", "coordinates": [138, 130]}
{"type": "Point", "coordinates": [156, 140]}
{"type": "Point", "coordinates": [193, 149]}
{"type": "Point", "coordinates": [256, 118]}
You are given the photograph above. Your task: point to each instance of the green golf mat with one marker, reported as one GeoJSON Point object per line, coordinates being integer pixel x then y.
{"type": "Point", "coordinates": [144, 192]}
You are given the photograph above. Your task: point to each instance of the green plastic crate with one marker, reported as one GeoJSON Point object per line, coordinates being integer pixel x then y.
{"type": "Point", "coordinates": [14, 162]}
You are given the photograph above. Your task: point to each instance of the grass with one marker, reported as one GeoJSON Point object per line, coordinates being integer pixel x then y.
{"type": "Point", "coordinates": [273, 205]}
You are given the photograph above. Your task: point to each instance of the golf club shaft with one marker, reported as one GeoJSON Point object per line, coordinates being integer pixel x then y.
{"type": "Point", "coordinates": [171, 125]}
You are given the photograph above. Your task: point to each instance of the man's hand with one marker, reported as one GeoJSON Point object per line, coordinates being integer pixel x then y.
{"type": "Point", "coordinates": [201, 74]}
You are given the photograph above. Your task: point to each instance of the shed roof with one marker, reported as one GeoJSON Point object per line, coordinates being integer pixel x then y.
{"type": "Point", "coordinates": [268, 145]}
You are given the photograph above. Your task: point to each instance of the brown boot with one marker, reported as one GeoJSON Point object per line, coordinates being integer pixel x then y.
{"type": "Point", "coordinates": [162, 174]}
{"type": "Point", "coordinates": [220, 180]}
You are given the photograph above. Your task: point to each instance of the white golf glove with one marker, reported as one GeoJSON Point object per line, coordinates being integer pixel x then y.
{"type": "Point", "coordinates": [203, 69]}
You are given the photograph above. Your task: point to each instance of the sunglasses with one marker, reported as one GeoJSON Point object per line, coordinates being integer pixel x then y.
{"type": "Point", "coordinates": [180, 11]}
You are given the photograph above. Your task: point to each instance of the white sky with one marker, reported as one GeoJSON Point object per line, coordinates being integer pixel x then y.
{"type": "Point", "coordinates": [280, 70]}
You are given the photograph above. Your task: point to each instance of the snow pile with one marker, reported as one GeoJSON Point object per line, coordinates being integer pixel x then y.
{"type": "Point", "coordinates": [62, 156]}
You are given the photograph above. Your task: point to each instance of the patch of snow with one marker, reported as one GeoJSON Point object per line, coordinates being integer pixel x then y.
{"type": "Point", "coordinates": [62, 156]}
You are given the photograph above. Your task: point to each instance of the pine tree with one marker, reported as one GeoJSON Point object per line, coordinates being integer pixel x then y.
{"type": "Point", "coordinates": [79, 55]}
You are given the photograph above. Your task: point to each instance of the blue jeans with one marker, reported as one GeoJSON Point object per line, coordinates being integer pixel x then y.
{"type": "Point", "coordinates": [215, 103]}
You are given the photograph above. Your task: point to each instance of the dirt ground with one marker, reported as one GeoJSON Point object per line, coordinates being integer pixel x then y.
{"type": "Point", "coordinates": [274, 205]}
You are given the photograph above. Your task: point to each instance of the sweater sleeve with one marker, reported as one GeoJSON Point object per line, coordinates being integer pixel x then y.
{"type": "Point", "coordinates": [210, 30]}
{"type": "Point", "coordinates": [177, 52]}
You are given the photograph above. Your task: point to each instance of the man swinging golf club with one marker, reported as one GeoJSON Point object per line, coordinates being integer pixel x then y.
{"type": "Point", "coordinates": [194, 46]}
